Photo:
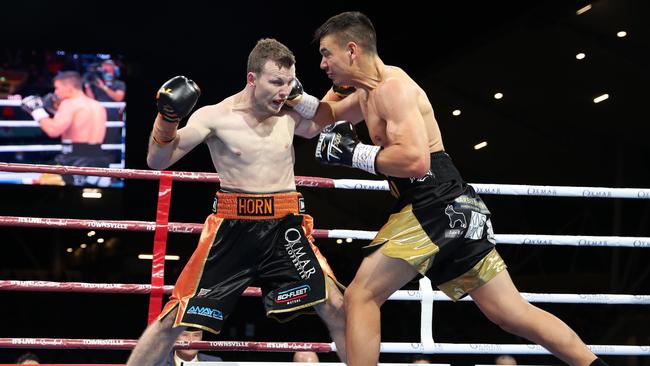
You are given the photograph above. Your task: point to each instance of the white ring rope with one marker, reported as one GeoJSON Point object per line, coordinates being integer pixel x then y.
{"type": "Point", "coordinates": [17, 103]}
{"type": "Point", "coordinates": [608, 299]}
{"type": "Point", "coordinates": [575, 240]}
{"type": "Point", "coordinates": [191, 228]}
{"type": "Point", "coordinates": [499, 189]}
{"type": "Point", "coordinates": [25, 123]}
{"type": "Point", "coordinates": [528, 239]}
{"type": "Point", "coordinates": [513, 349]}
{"type": "Point", "coordinates": [516, 189]}
{"type": "Point", "coordinates": [400, 295]}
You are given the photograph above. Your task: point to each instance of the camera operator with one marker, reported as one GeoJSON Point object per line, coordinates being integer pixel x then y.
{"type": "Point", "coordinates": [101, 83]}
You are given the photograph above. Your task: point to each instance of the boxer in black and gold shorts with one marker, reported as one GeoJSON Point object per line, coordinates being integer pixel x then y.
{"type": "Point", "coordinates": [442, 228]}
{"type": "Point", "coordinates": [251, 238]}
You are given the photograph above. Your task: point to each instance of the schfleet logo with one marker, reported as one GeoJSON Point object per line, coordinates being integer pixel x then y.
{"type": "Point", "coordinates": [293, 294]}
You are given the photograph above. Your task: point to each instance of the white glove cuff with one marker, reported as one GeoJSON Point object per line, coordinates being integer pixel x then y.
{"type": "Point", "coordinates": [307, 106]}
{"type": "Point", "coordinates": [364, 157]}
{"type": "Point", "coordinates": [39, 114]}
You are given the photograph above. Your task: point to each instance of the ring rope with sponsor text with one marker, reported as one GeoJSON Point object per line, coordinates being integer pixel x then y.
{"type": "Point", "coordinates": [194, 228]}
{"type": "Point", "coordinates": [319, 182]}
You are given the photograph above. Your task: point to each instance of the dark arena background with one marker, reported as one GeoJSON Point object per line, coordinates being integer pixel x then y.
{"type": "Point", "coordinates": [545, 130]}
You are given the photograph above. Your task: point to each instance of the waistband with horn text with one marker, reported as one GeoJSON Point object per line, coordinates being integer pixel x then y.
{"type": "Point", "coordinates": [257, 206]}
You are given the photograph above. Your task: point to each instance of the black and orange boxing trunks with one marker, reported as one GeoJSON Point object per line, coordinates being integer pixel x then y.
{"type": "Point", "coordinates": [251, 239]}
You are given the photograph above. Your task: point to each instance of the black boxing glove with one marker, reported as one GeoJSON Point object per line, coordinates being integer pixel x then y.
{"type": "Point", "coordinates": [176, 98]}
{"type": "Point", "coordinates": [33, 105]}
{"type": "Point", "coordinates": [338, 144]}
{"type": "Point", "coordinates": [343, 90]}
{"type": "Point", "coordinates": [301, 102]}
{"type": "Point", "coordinates": [51, 103]}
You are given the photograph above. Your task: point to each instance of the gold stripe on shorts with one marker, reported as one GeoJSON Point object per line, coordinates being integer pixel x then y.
{"type": "Point", "coordinates": [403, 237]}
{"type": "Point", "coordinates": [393, 188]}
{"type": "Point", "coordinates": [485, 270]}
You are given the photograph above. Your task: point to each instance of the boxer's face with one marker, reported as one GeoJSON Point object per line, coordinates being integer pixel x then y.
{"type": "Point", "coordinates": [335, 60]}
{"type": "Point", "coordinates": [63, 89]}
{"type": "Point", "coordinates": [272, 86]}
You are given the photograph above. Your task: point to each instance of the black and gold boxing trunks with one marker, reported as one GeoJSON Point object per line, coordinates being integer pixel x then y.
{"type": "Point", "coordinates": [442, 228]}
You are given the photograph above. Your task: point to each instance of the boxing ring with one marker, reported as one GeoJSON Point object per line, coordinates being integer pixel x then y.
{"type": "Point", "coordinates": [425, 296]}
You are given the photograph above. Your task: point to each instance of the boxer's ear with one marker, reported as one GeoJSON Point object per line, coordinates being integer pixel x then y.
{"type": "Point", "coordinates": [250, 78]}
